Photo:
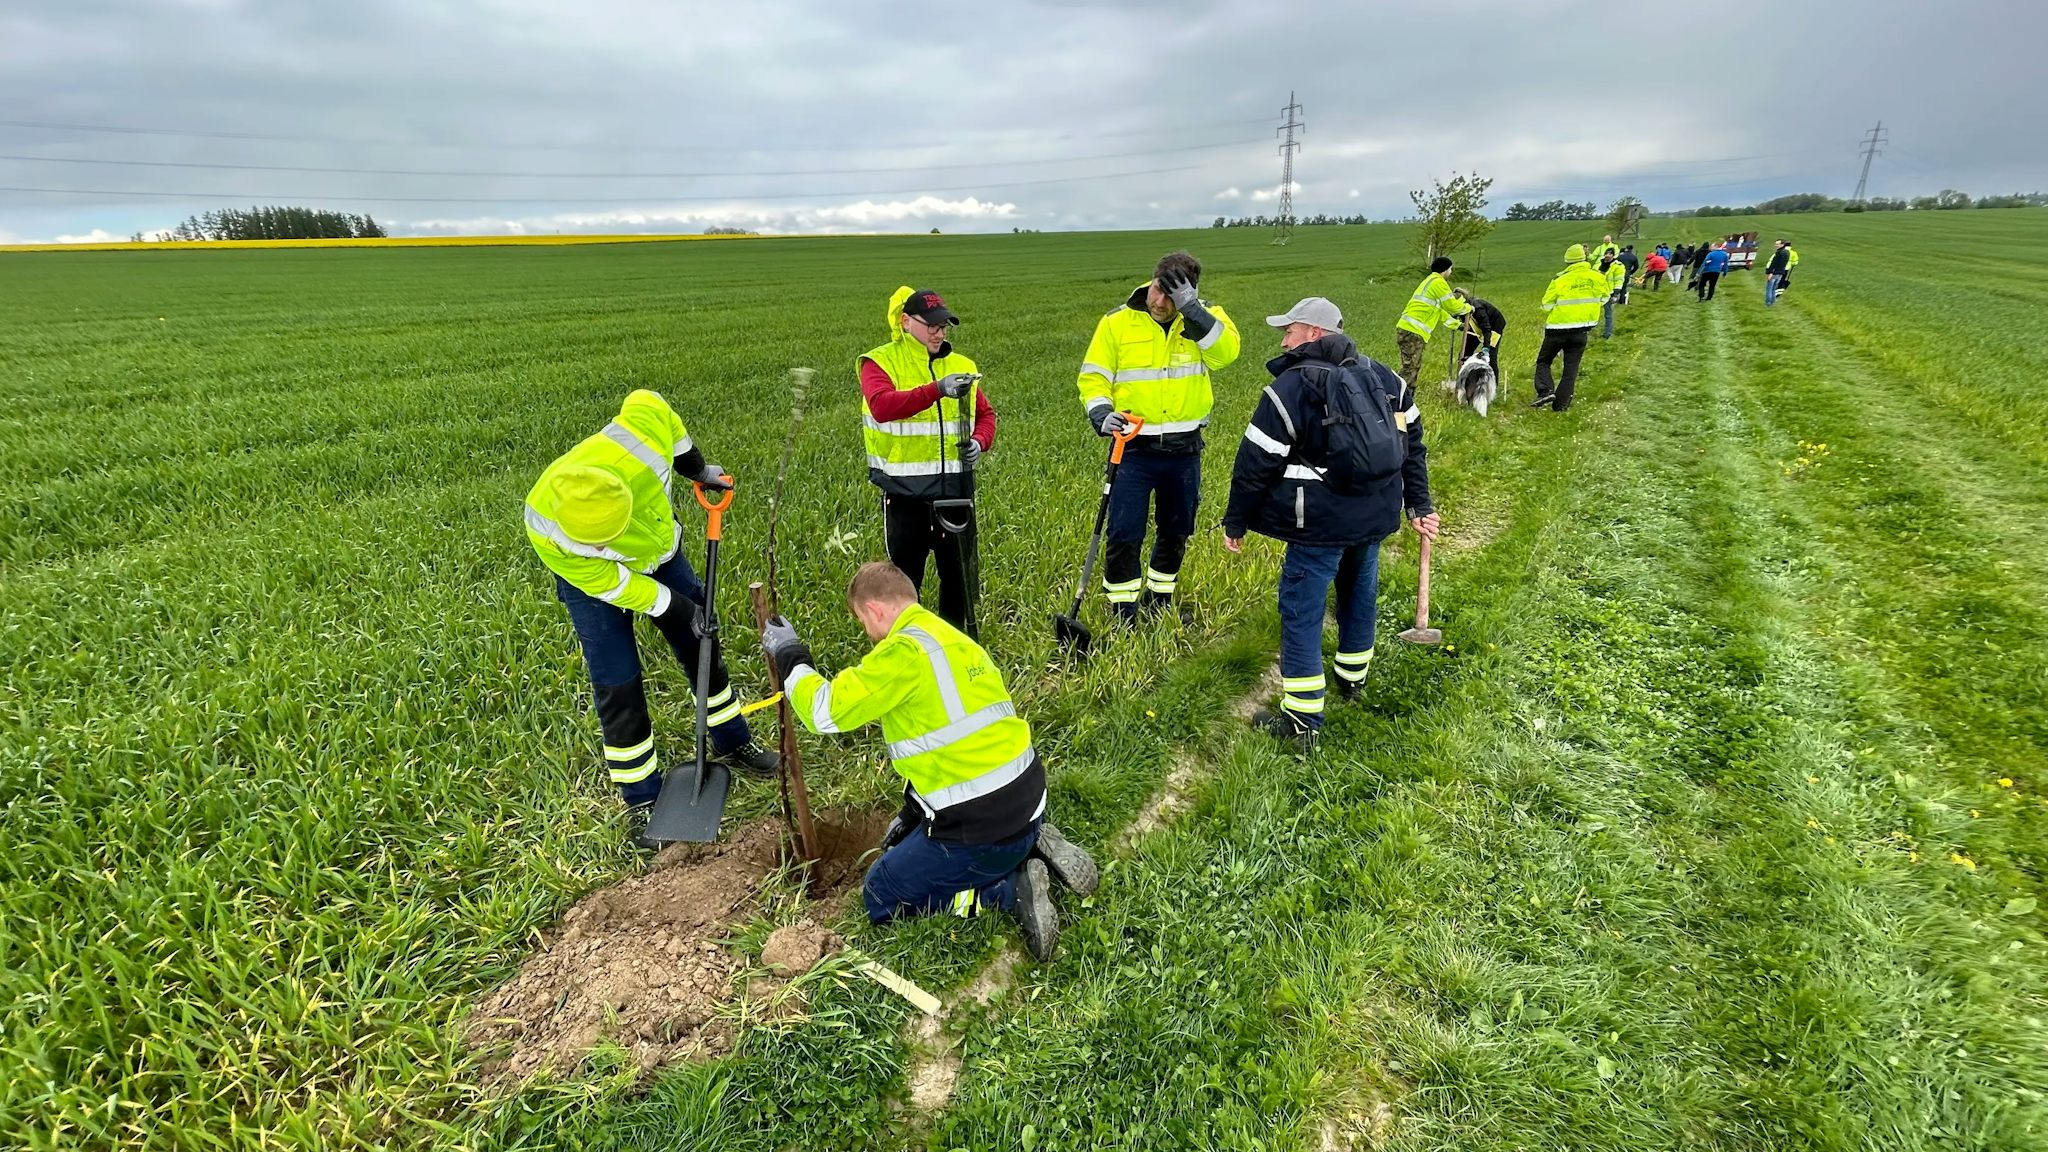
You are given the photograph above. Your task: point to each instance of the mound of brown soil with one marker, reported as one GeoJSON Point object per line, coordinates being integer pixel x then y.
{"type": "Point", "coordinates": [642, 963]}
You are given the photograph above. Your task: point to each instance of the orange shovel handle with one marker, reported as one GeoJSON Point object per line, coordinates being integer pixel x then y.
{"type": "Point", "coordinates": [716, 528]}
{"type": "Point", "coordinates": [1129, 433]}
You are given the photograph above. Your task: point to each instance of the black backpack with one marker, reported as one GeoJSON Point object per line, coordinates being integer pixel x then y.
{"type": "Point", "coordinates": [1361, 446]}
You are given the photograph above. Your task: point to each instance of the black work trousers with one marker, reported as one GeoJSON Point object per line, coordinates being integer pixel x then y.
{"type": "Point", "coordinates": [1571, 342]}
{"type": "Point", "coordinates": [912, 532]}
{"type": "Point", "coordinates": [1708, 282]}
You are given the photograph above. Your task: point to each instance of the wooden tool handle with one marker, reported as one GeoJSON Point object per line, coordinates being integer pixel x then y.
{"type": "Point", "coordinates": [1422, 588]}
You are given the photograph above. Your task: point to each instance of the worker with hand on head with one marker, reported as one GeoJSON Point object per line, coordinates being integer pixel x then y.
{"type": "Point", "coordinates": [600, 518]}
{"type": "Point", "coordinates": [973, 833]}
{"type": "Point", "coordinates": [1151, 358]}
{"type": "Point", "coordinates": [916, 396]}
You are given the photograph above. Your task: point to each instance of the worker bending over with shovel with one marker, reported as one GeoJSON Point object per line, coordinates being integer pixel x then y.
{"type": "Point", "coordinates": [1150, 359]}
{"type": "Point", "coordinates": [973, 834]}
{"type": "Point", "coordinates": [927, 424]}
{"type": "Point", "coordinates": [1332, 453]}
{"type": "Point", "coordinates": [600, 518]}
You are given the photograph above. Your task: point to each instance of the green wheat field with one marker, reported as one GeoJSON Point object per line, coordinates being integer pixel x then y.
{"type": "Point", "coordinates": [1718, 823]}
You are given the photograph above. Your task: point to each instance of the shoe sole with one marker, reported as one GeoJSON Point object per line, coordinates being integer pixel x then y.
{"type": "Point", "coordinates": [1035, 912]}
{"type": "Point", "coordinates": [1070, 865]}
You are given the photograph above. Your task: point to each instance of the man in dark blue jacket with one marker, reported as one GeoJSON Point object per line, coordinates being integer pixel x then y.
{"type": "Point", "coordinates": [1278, 488]}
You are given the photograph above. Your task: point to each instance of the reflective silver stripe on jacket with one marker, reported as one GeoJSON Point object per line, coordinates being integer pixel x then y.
{"type": "Point", "coordinates": [889, 467]}
{"type": "Point", "coordinates": [1166, 427]}
{"type": "Point", "coordinates": [1210, 337]}
{"type": "Point", "coordinates": [1583, 300]}
{"type": "Point", "coordinates": [1285, 418]}
{"type": "Point", "coordinates": [906, 427]}
{"type": "Point", "coordinates": [1174, 372]}
{"type": "Point", "coordinates": [1252, 433]}
{"type": "Point", "coordinates": [821, 704]}
{"type": "Point", "coordinates": [942, 670]}
{"type": "Point", "coordinates": [953, 733]}
{"type": "Point", "coordinates": [553, 531]}
{"type": "Point", "coordinates": [991, 781]}
{"type": "Point", "coordinates": [1302, 472]}
{"type": "Point", "coordinates": [1092, 369]}
{"type": "Point", "coordinates": [623, 436]}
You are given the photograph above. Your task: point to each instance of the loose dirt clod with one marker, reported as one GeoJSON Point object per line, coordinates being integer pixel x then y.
{"type": "Point", "coordinates": [642, 964]}
{"type": "Point", "coordinates": [795, 949]}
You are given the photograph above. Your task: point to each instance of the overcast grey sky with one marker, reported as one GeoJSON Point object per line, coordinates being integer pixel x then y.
{"type": "Point", "coordinates": [488, 116]}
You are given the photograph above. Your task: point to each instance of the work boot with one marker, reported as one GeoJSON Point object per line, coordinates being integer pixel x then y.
{"type": "Point", "coordinates": [1156, 603]}
{"type": "Point", "coordinates": [752, 759]}
{"type": "Point", "coordinates": [1068, 860]}
{"type": "Point", "coordinates": [1284, 727]}
{"type": "Point", "coordinates": [1034, 910]}
{"type": "Point", "coordinates": [1544, 401]}
{"type": "Point", "coordinates": [1125, 613]}
{"type": "Point", "coordinates": [636, 827]}
{"type": "Point", "coordinates": [1349, 690]}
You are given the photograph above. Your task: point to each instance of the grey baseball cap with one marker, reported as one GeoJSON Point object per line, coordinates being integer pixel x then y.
{"type": "Point", "coordinates": [1314, 310]}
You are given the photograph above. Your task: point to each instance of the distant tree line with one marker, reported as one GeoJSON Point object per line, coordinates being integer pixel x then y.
{"type": "Point", "coordinates": [1554, 210]}
{"type": "Point", "coordinates": [1299, 221]}
{"type": "Point", "coordinates": [1948, 199]}
{"type": "Point", "coordinates": [274, 223]}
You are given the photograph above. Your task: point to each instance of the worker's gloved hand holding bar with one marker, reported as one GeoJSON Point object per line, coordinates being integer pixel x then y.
{"type": "Point", "coordinates": [1107, 420]}
{"type": "Point", "coordinates": [712, 476]}
{"type": "Point", "coordinates": [785, 650]}
{"type": "Point", "coordinates": [955, 385]}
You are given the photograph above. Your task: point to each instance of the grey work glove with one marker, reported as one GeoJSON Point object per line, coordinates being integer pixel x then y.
{"type": "Point", "coordinates": [1107, 420]}
{"type": "Point", "coordinates": [970, 452]}
{"type": "Point", "coordinates": [712, 476]}
{"type": "Point", "coordinates": [1195, 318]}
{"type": "Point", "coordinates": [955, 387]}
{"type": "Point", "coordinates": [779, 640]}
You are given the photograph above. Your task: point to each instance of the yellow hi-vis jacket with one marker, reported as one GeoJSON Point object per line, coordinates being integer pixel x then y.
{"type": "Point", "coordinates": [952, 731]}
{"type": "Point", "coordinates": [1791, 258]}
{"type": "Point", "coordinates": [1600, 250]}
{"type": "Point", "coordinates": [1155, 373]}
{"type": "Point", "coordinates": [1617, 276]}
{"type": "Point", "coordinates": [1432, 304]}
{"type": "Point", "coordinates": [640, 446]}
{"type": "Point", "coordinates": [918, 456]}
{"type": "Point", "coordinates": [1574, 297]}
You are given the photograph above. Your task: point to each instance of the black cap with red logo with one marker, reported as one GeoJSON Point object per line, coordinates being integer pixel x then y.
{"type": "Point", "coordinates": [927, 306]}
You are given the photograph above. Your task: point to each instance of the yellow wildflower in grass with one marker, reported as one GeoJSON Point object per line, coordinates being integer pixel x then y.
{"type": "Point", "coordinates": [1965, 861]}
{"type": "Point", "coordinates": [1974, 813]}
{"type": "Point", "coordinates": [1813, 779]}
{"type": "Point", "coordinates": [1812, 823]}
{"type": "Point", "coordinates": [1912, 857]}
{"type": "Point", "coordinates": [2005, 781]}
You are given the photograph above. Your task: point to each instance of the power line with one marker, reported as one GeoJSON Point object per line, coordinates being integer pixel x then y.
{"type": "Point", "coordinates": [616, 175]}
{"type": "Point", "coordinates": [1871, 140]}
{"type": "Point", "coordinates": [651, 197]}
{"type": "Point", "coordinates": [586, 146]}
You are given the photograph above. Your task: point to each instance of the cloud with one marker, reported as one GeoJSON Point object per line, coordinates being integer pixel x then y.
{"type": "Point", "coordinates": [1274, 193]}
{"type": "Point", "coordinates": [1353, 194]}
{"type": "Point", "coordinates": [857, 216]}
{"type": "Point", "coordinates": [683, 113]}
{"type": "Point", "coordinates": [96, 236]}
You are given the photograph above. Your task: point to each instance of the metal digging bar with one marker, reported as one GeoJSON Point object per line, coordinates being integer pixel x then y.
{"type": "Point", "coordinates": [796, 798]}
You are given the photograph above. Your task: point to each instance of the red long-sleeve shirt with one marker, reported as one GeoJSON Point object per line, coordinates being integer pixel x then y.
{"type": "Point", "coordinates": [887, 403]}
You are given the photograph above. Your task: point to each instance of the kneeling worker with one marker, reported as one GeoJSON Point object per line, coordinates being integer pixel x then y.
{"type": "Point", "coordinates": [1323, 471]}
{"type": "Point", "coordinates": [973, 834]}
{"type": "Point", "coordinates": [600, 518]}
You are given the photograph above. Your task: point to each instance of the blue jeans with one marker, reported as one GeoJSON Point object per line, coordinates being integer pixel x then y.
{"type": "Point", "coordinates": [1146, 481]}
{"type": "Point", "coordinates": [612, 655]}
{"type": "Point", "coordinates": [1771, 283]}
{"type": "Point", "coordinates": [1305, 579]}
{"type": "Point", "coordinates": [1607, 318]}
{"type": "Point", "coordinates": [921, 875]}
